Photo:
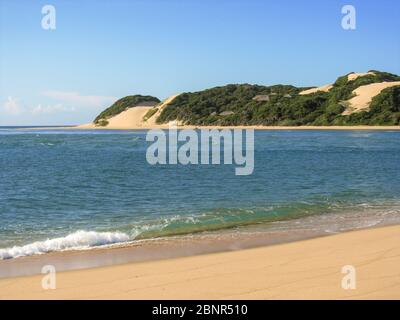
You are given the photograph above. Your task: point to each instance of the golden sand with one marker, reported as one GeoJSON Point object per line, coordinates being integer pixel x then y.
{"type": "Point", "coordinates": [309, 269]}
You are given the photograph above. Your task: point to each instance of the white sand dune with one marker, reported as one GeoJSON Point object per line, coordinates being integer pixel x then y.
{"type": "Point", "coordinates": [327, 87]}
{"type": "Point", "coordinates": [364, 95]}
{"type": "Point", "coordinates": [128, 119]}
{"type": "Point", "coordinates": [354, 76]}
{"type": "Point", "coordinates": [133, 118]}
{"type": "Point", "coordinates": [324, 88]}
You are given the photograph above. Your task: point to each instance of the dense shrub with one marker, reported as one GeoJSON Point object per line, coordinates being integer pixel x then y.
{"type": "Point", "coordinates": [282, 105]}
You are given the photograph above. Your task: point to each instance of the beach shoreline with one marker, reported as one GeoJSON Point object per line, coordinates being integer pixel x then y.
{"type": "Point", "coordinates": [195, 243]}
{"type": "Point", "coordinates": [181, 127]}
{"type": "Point", "coordinates": [302, 269]}
{"type": "Point", "coordinates": [352, 203]}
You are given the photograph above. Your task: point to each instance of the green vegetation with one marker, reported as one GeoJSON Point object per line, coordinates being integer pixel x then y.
{"type": "Point", "coordinates": [229, 105]}
{"type": "Point", "coordinates": [102, 123]}
{"type": "Point", "coordinates": [245, 104]}
{"type": "Point", "coordinates": [150, 113]}
{"type": "Point", "coordinates": [122, 105]}
{"type": "Point", "coordinates": [342, 88]}
{"type": "Point", "coordinates": [383, 110]}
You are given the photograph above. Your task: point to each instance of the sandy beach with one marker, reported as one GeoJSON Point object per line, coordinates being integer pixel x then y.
{"type": "Point", "coordinates": [223, 151]}
{"type": "Point", "coordinates": [309, 269]}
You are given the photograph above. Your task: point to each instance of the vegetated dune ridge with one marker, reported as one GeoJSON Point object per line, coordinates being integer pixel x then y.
{"type": "Point", "coordinates": [133, 118]}
{"type": "Point", "coordinates": [327, 87]}
{"type": "Point", "coordinates": [324, 88]}
{"type": "Point", "coordinates": [355, 99]}
{"type": "Point", "coordinates": [151, 122]}
{"type": "Point", "coordinates": [364, 95]}
{"type": "Point", "coordinates": [353, 76]}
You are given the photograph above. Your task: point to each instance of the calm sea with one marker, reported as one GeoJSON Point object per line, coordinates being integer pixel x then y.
{"type": "Point", "coordinates": [63, 189]}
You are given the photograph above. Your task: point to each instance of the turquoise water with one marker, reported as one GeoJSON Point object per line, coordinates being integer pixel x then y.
{"type": "Point", "coordinates": [62, 189]}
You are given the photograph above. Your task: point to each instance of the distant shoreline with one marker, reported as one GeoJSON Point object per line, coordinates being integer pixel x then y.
{"type": "Point", "coordinates": [84, 127]}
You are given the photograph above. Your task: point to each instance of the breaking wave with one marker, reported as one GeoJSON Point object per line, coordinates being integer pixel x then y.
{"type": "Point", "coordinates": [73, 241]}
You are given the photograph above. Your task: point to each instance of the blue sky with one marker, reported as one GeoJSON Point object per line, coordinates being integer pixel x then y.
{"type": "Point", "coordinates": [103, 50]}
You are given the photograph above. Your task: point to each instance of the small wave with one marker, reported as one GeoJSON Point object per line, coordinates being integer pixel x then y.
{"type": "Point", "coordinates": [46, 144]}
{"type": "Point", "coordinates": [360, 135]}
{"type": "Point", "coordinates": [73, 241]}
{"type": "Point", "coordinates": [137, 138]}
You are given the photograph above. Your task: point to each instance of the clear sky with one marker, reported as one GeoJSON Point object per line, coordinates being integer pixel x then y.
{"type": "Point", "coordinates": [104, 50]}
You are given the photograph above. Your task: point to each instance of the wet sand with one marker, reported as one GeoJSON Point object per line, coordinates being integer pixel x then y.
{"type": "Point", "coordinates": [298, 270]}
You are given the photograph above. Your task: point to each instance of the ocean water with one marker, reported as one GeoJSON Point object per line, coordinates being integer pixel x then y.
{"type": "Point", "coordinates": [67, 189]}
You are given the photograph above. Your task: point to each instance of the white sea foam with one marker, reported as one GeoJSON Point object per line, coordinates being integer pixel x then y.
{"type": "Point", "coordinates": [73, 241]}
